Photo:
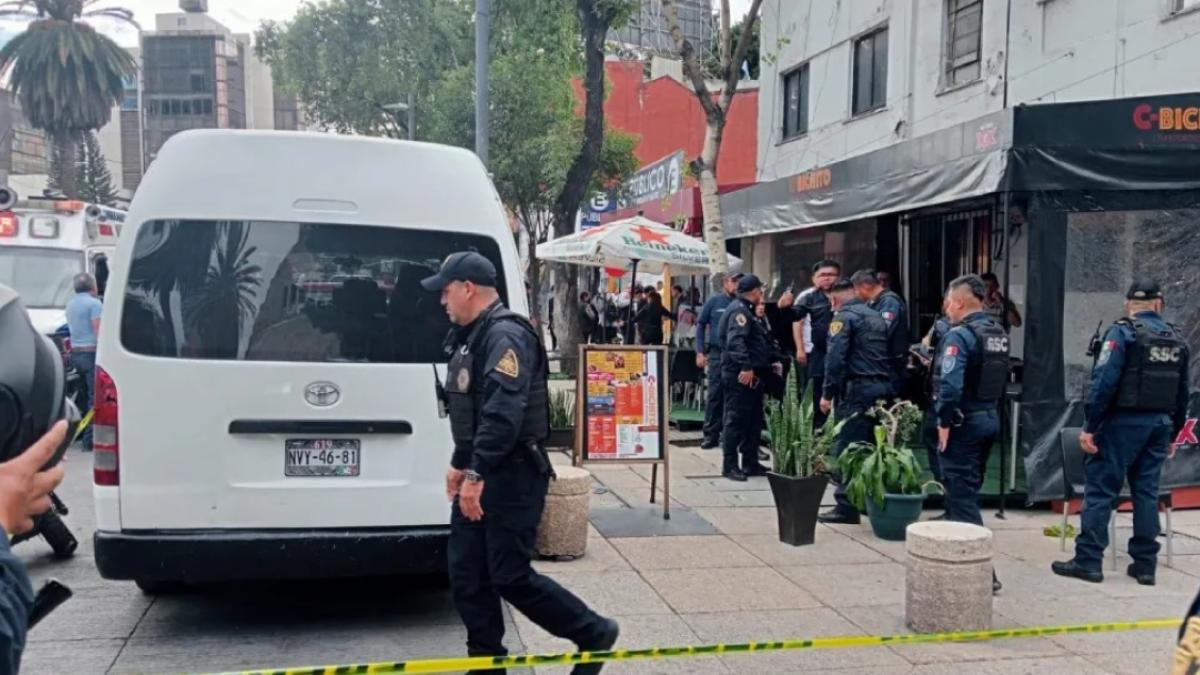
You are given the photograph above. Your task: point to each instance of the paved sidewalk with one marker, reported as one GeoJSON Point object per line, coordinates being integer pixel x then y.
{"type": "Point", "coordinates": [738, 583]}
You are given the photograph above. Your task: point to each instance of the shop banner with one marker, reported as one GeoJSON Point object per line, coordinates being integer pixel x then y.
{"type": "Point", "coordinates": [623, 405]}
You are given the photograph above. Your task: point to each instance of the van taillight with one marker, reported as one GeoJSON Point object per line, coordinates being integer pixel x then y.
{"type": "Point", "coordinates": [105, 436]}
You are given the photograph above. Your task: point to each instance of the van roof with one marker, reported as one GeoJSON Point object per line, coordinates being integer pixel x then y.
{"type": "Point", "coordinates": [222, 174]}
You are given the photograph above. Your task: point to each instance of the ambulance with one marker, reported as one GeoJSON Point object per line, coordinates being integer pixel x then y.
{"type": "Point", "coordinates": [44, 242]}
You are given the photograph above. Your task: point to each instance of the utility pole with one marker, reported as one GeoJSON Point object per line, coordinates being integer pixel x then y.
{"type": "Point", "coordinates": [412, 116]}
{"type": "Point", "coordinates": [482, 54]}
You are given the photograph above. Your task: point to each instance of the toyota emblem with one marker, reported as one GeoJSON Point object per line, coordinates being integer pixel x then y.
{"type": "Point", "coordinates": [322, 394]}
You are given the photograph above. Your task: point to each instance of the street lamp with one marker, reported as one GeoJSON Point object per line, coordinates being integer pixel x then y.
{"type": "Point", "coordinates": [411, 108]}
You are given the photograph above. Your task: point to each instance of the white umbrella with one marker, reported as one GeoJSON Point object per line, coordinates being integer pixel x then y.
{"type": "Point", "coordinates": [639, 242]}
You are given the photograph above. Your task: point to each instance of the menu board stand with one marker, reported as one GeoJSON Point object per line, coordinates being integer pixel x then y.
{"type": "Point", "coordinates": [621, 408]}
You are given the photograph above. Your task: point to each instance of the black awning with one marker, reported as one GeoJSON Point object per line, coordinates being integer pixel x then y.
{"type": "Point", "coordinates": [963, 161]}
{"type": "Point", "coordinates": [1144, 143]}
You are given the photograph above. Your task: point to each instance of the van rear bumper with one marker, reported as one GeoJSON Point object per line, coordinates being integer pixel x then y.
{"type": "Point", "coordinates": [231, 555]}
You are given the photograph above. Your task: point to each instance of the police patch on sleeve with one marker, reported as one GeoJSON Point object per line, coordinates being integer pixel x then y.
{"type": "Point", "coordinates": [889, 316]}
{"type": "Point", "coordinates": [1106, 351]}
{"type": "Point", "coordinates": [949, 359]}
{"type": "Point", "coordinates": [741, 319]}
{"type": "Point", "coordinates": [508, 364]}
{"type": "Point", "coordinates": [835, 327]}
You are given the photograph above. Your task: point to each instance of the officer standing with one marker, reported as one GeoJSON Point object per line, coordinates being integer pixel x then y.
{"type": "Point", "coordinates": [815, 306]}
{"type": "Point", "coordinates": [708, 353]}
{"type": "Point", "coordinates": [971, 368]}
{"type": "Point", "coordinates": [496, 386]}
{"type": "Point", "coordinates": [929, 428]}
{"type": "Point", "coordinates": [745, 364]}
{"type": "Point", "coordinates": [891, 306]}
{"type": "Point", "coordinates": [1136, 405]}
{"type": "Point", "coordinates": [858, 373]}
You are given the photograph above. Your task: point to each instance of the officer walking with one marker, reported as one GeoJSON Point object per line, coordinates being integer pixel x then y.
{"type": "Point", "coordinates": [895, 313]}
{"type": "Point", "coordinates": [971, 368]}
{"type": "Point", "coordinates": [499, 416]}
{"type": "Point", "coordinates": [708, 353]}
{"type": "Point", "coordinates": [1136, 405]}
{"type": "Point", "coordinates": [815, 306]}
{"type": "Point", "coordinates": [747, 360]}
{"type": "Point", "coordinates": [858, 373]}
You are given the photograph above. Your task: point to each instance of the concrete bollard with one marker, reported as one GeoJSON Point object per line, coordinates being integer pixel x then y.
{"type": "Point", "coordinates": [949, 581]}
{"type": "Point", "coordinates": [562, 531]}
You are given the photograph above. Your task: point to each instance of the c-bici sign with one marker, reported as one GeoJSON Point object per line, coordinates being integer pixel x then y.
{"type": "Point", "coordinates": [1167, 119]}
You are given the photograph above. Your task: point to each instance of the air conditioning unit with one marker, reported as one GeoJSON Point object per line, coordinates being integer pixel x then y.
{"type": "Point", "coordinates": [194, 6]}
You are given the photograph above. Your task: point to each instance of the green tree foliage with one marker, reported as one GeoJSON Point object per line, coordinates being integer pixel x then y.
{"type": "Point", "coordinates": [92, 174]}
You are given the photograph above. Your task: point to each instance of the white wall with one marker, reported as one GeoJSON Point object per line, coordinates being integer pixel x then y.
{"type": "Point", "coordinates": [1073, 50]}
{"type": "Point", "coordinates": [260, 89]}
{"type": "Point", "coordinates": [109, 137]}
{"type": "Point", "coordinates": [1061, 50]}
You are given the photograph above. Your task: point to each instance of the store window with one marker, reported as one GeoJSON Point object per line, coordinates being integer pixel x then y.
{"type": "Point", "coordinates": [795, 102]}
{"type": "Point", "coordinates": [964, 43]}
{"type": "Point", "coordinates": [870, 72]}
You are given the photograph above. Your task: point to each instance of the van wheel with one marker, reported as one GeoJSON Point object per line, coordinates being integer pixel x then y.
{"type": "Point", "coordinates": [158, 586]}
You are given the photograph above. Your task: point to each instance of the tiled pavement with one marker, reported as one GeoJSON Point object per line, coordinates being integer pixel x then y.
{"type": "Point", "coordinates": [742, 584]}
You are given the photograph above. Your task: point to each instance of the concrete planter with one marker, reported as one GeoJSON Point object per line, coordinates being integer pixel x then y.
{"type": "Point", "coordinates": [562, 532]}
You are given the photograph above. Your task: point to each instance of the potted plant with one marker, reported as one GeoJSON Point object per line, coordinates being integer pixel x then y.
{"type": "Point", "coordinates": [882, 478]}
{"type": "Point", "coordinates": [562, 419]}
{"type": "Point", "coordinates": [798, 476]}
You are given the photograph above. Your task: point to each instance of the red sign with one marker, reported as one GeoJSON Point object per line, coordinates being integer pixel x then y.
{"type": "Point", "coordinates": [1187, 435]}
{"type": "Point", "coordinates": [817, 179]}
{"type": "Point", "coordinates": [1166, 118]}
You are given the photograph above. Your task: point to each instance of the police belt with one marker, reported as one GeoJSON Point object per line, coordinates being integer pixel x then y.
{"type": "Point", "coordinates": [854, 382]}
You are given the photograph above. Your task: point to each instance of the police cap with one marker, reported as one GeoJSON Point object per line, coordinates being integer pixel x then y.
{"type": "Point", "coordinates": [462, 266]}
{"type": "Point", "coordinates": [748, 283]}
{"type": "Point", "coordinates": [1144, 289]}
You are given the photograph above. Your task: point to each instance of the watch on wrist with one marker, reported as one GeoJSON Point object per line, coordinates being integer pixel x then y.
{"type": "Point", "coordinates": [472, 476]}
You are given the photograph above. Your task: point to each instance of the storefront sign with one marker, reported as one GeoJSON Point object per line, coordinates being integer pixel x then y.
{"type": "Point", "coordinates": [653, 182]}
{"type": "Point", "coordinates": [809, 181]}
{"type": "Point", "coordinates": [1148, 118]}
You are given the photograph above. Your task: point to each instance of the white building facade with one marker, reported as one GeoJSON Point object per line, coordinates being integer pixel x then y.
{"type": "Point", "coordinates": [1053, 143]}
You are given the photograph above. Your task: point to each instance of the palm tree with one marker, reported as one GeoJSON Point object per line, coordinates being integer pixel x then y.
{"type": "Point", "coordinates": [226, 299]}
{"type": "Point", "coordinates": [67, 76]}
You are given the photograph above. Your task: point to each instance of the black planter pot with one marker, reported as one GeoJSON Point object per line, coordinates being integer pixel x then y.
{"type": "Point", "coordinates": [561, 438]}
{"type": "Point", "coordinates": [797, 501]}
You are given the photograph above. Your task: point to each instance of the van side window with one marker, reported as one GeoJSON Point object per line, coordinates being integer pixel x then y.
{"type": "Point", "coordinates": [295, 292]}
{"type": "Point", "coordinates": [100, 272]}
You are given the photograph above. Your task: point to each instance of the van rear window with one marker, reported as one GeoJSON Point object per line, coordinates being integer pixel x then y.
{"type": "Point", "coordinates": [301, 292]}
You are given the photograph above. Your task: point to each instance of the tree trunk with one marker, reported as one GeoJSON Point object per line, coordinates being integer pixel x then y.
{"type": "Point", "coordinates": [68, 178]}
{"type": "Point", "coordinates": [710, 200]}
{"type": "Point", "coordinates": [594, 21]}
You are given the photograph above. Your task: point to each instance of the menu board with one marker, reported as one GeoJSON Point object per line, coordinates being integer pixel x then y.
{"type": "Point", "coordinates": [622, 404]}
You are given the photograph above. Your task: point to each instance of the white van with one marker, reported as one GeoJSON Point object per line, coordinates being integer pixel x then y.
{"type": "Point", "coordinates": [265, 402]}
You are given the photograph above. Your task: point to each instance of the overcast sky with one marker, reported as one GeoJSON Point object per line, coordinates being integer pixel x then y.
{"type": "Point", "coordinates": [242, 16]}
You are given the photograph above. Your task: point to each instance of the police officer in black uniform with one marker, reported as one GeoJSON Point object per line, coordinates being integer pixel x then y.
{"type": "Point", "coordinates": [1136, 406]}
{"type": "Point", "coordinates": [929, 435]}
{"type": "Point", "coordinates": [892, 307]}
{"type": "Point", "coordinates": [748, 359]}
{"type": "Point", "coordinates": [858, 373]}
{"type": "Point", "coordinates": [496, 390]}
{"type": "Point", "coordinates": [814, 305]}
{"type": "Point", "coordinates": [971, 370]}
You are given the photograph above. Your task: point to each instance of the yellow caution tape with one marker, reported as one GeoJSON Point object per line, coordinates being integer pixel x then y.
{"type": "Point", "coordinates": [83, 424]}
{"type": "Point", "coordinates": [497, 662]}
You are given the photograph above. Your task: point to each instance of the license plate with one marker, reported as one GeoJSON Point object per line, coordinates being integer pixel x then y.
{"type": "Point", "coordinates": [321, 457]}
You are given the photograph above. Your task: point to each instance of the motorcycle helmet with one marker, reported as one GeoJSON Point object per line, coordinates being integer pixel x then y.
{"type": "Point", "coordinates": [32, 382]}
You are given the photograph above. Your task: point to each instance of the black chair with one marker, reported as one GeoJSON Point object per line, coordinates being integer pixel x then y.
{"type": "Point", "coordinates": [1074, 480]}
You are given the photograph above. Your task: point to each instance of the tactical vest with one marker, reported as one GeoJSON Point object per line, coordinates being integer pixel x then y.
{"type": "Point", "coordinates": [464, 388]}
{"type": "Point", "coordinates": [1153, 368]}
{"type": "Point", "coordinates": [987, 373]}
{"type": "Point", "coordinates": [872, 336]}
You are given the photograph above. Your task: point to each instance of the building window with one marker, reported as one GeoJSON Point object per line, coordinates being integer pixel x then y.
{"type": "Point", "coordinates": [964, 40]}
{"type": "Point", "coordinates": [1182, 5]}
{"type": "Point", "coordinates": [795, 102]}
{"type": "Point", "coordinates": [870, 72]}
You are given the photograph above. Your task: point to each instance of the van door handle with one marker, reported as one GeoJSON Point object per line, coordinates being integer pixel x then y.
{"type": "Point", "coordinates": [333, 427]}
